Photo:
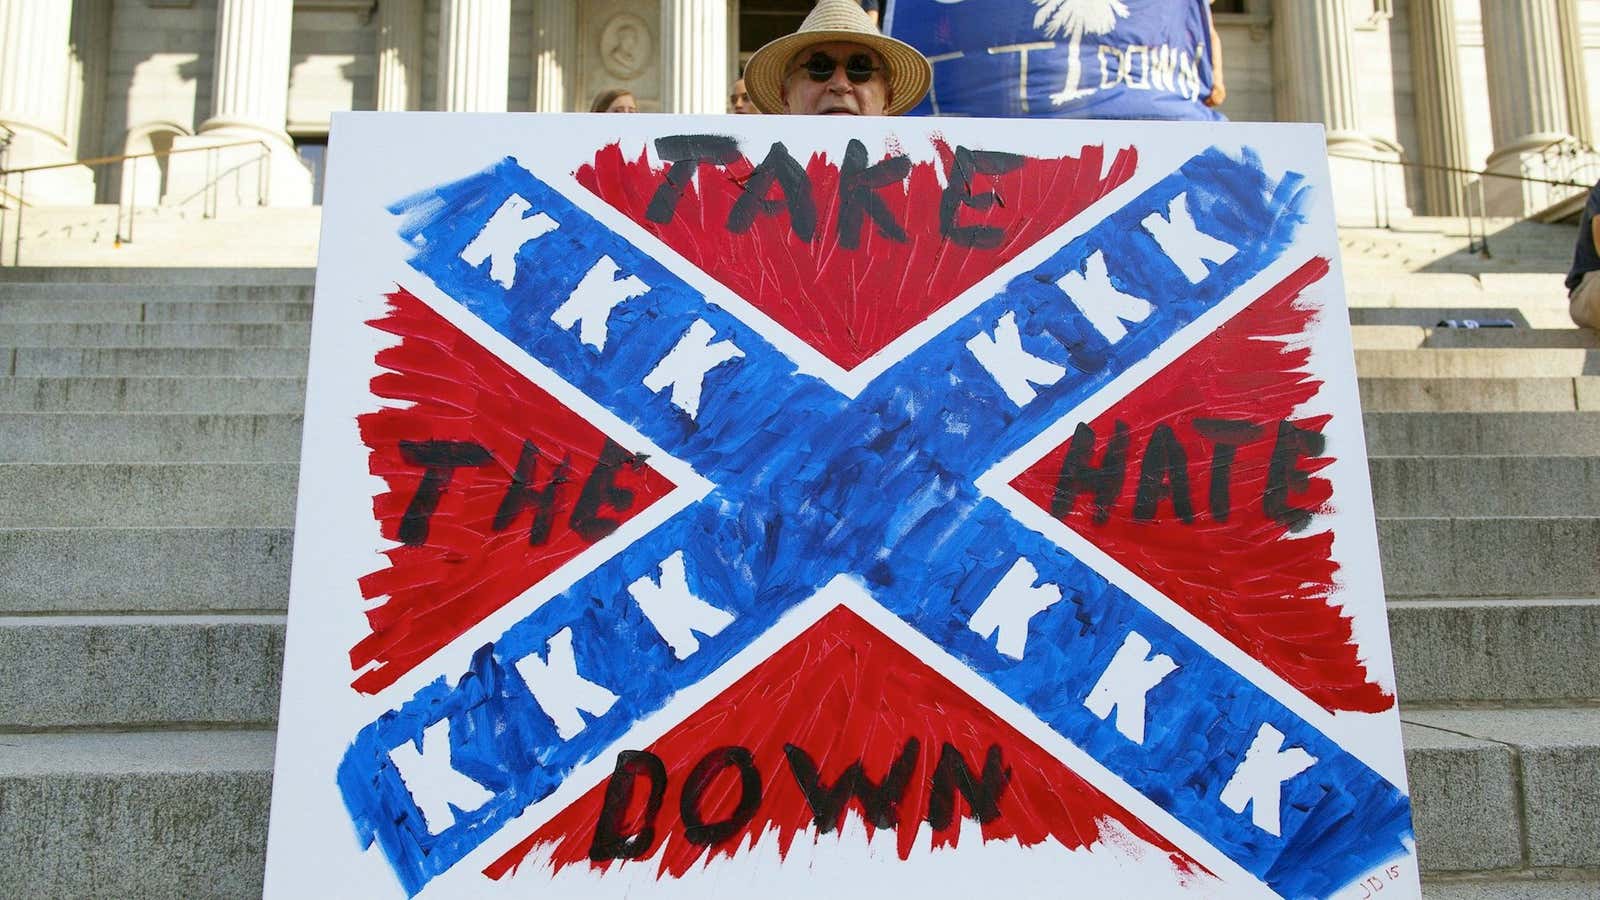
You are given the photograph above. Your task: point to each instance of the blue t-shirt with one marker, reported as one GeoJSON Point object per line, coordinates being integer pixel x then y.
{"type": "Point", "coordinates": [1584, 257]}
{"type": "Point", "coordinates": [1128, 59]}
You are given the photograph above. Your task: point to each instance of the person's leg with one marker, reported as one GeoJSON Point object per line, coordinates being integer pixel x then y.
{"type": "Point", "coordinates": [1585, 307]}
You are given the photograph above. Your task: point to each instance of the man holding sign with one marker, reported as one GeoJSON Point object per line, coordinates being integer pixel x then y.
{"type": "Point", "coordinates": [837, 63]}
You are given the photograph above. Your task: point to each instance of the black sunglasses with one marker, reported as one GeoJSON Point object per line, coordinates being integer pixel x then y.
{"type": "Point", "coordinates": [858, 68]}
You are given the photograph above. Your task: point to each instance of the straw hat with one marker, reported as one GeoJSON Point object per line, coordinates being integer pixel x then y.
{"type": "Point", "coordinates": [909, 74]}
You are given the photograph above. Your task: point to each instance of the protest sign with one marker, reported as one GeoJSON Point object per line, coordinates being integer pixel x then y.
{"type": "Point", "coordinates": [783, 506]}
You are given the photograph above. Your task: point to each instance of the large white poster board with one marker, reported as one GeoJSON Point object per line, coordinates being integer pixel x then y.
{"type": "Point", "coordinates": [784, 507]}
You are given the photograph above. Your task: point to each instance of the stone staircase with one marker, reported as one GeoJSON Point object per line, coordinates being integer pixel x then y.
{"type": "Point", "coordinates": [1485, 456]}
{"type": "Point", "coordinates": [149, 433]}
{"type": "Point", "coordinates": [161, 236]}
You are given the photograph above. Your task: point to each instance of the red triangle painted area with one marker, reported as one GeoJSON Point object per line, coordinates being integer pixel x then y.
{"type": "Point", "coordinates": [492, 485]}
{"type": "Point", "coordinates": [851, 302]}
{"type": "Point", "coordinates": [842, 693]}
{"type": "Point", "coordinates": [1247, 562]}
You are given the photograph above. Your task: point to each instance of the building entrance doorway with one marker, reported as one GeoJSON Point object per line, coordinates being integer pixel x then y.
{"type": "Point", "coordinates": [762, 20]}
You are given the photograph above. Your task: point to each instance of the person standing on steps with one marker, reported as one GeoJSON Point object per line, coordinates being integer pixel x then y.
{"type": "Point", "coordinates": [615, 100]}
{"type": "Point", "coordinates": [837, 63]}
{"type": "Point", "coordinates": [739, 99]}
{"type": "Point", "coordinates": [1583, 281]}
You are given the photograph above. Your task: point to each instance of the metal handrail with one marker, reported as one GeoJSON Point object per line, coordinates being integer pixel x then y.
{"type": "Point", "coordinates": [1476, 243]}
{"type": "Point", "coordinates": [127, 198]}
{"type": "Point", "coordinates": [5, 151]}
{"type": "Point", "coordinates": [105, 160]}
{"type": "Point", "coordinates": [1410, 164]}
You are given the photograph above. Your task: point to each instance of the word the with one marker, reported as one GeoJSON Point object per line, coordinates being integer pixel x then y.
{"type": "Point", "coordinates": [440, 459]}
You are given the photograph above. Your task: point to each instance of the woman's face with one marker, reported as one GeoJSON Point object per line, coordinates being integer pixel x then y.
{"type": "Point", "coordinates": [623, 104]}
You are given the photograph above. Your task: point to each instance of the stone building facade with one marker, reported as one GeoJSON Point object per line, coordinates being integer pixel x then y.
{"type": "Point", "coordinates": [1497, 85]}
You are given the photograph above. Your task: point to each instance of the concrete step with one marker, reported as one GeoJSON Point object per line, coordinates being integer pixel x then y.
{"type": "Point", "coordinates": [1429, 306]}
{"type": "Point", "coordinates": [236, 311]}
{"type": "Point", "coordinates": [122, 292]}
{"type": "Point", "coordinates": [148, 437]}
{"type": "Point", "coordinates": [242, 247]}
{"type": "Point", "coordinates": [186, 361]}
{"type": "Point", "coordinates": [1422, 249]}
{"type": "Point", "coordinates": [171, 235]}
{"type": "Point", "coordinates": [1512, 789]}
{"type": "Point", "coordinates": [141, 495]}
{"type": "Point", "coordinates": [1530, 283]}
{"type": "Point", "coordinates": [1443, 557]}
{"type": "Point", "coordinates": [1481, 651]}
{"type": "Point", "coordinates": [1454, 263]}
{"type": "Point", "coordinates": [239, 311]}
{"type": "Point", "coordinates": [71, 311]}
{"type": "Point", "coordinates": [1422, 556]}
{"type": "Point", "coordinates": [130, 671]}
{"type": "Point", "coordinates": [287, 394]}
{"type": "Point", "coordinates": [195, 569]}
{"type": "Point", "coordinates": [159, 335]}
{"type": "Point", "coordinates": [1486, 289]}
{"type": "Point", "coordinates": [1486, 485]}
{"type": "Point", "coordinates": [184, 813]}
{"type": "Point", "coordinates": [1480, 394]}
{"type": "Point", "coordinates": [1488, 363]}
{"type": "Point", "coordinates": [157, 275]}
{"type": "Point", "coordinates": [1409, 337]}
{"type": "Point", "coordinates": [1452, 253]}
{"type": "Point", "coordinates": [153, 393]}
{"type": "Point", "coordinates": [210, 493]}
{"type": "Point", "coordinates": [1533, 886]}
{"type": "Point", "coordinates": [1498, 226]}
{"type": "Point", "coordinates": [144, 570]}
{"type": "Point", "coordinates": [1486, 433]}
{"type": "Point", "coordinates": [1425, 315]}
{"type": "Point", "coordinates": [154, 814]}
{"type": "Point", "coordinates": [221, 437]}
{"type": "Point", "coordinates": [1506, 254]}
{"type": "Point", "coordinates": [124, 670]}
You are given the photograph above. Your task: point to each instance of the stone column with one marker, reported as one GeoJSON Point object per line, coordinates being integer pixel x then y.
{"type": "Point", "coordinates": [474, 55]}
{"type": "Point", "coordinates": [249, 102]}
{"type": "Point", "coordinates": [1441, 117]}
{"type": "Point", "coordinates": [555, 53]}
{"type": "Point", "coordinates": [1527, 98]}
{"type": "Point", "coordinates": [1574, 73]}
{"type": "Point", "coordinates": [399, 55]}
{"type": "Point", "coordinates": [1315, 78]}
{"type": "Point", "coordinates": [33, 100]}
{"type": "Point", "coordinates": [250, 81]}
{"type": "Point", "coordinates": [1315, 82]}
{"type": "Point", "coordinates": [694, 56]}
{"type": "Point", "coordinates": [86, 86]}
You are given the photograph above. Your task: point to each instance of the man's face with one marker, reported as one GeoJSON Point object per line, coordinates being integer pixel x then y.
{"type": "Point", "coordinates": [837, 94]}
{"type": "Point", "coordinates": [739, 99]}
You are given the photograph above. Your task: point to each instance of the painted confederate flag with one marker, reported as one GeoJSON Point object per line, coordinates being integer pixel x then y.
{"type": "Point", "coordinates": [795, 507]}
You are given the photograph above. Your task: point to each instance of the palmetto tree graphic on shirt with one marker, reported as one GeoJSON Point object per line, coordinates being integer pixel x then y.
{"type": "Point", "coordinates": [1076, 18]}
